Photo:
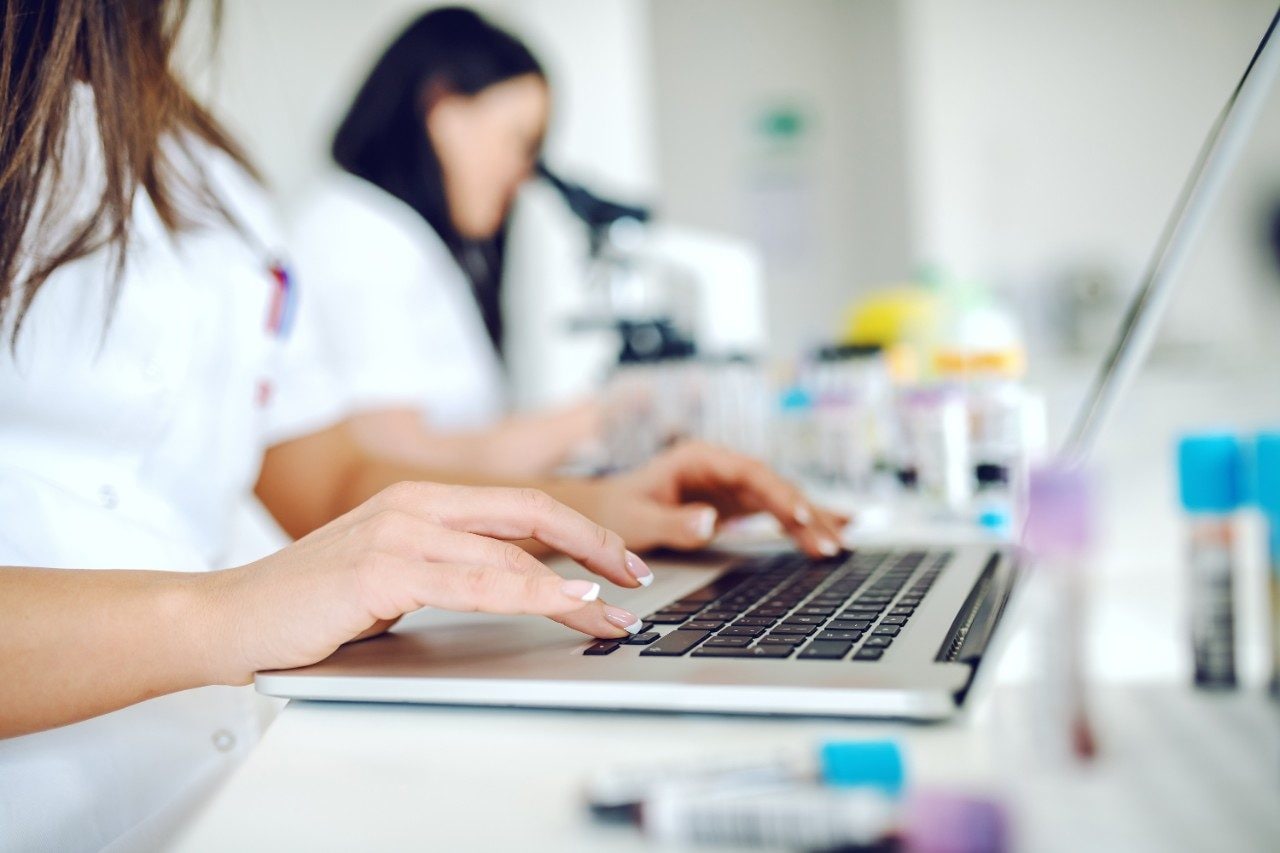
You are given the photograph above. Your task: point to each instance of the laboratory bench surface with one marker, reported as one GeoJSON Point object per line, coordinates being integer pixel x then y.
{"type": "Point", "coordinates": [1177, 769]}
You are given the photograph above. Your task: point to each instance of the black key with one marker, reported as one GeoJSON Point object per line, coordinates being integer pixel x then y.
{"type": "Point", "coordinates": [701, 597]}
{"type": "Point", "coordinates": [703, 625]}
{"type": "Point", "coordinates": [682, 607]}
{"type": "Point", "coordinates": [645, 627]}
{"type": "Point", "coordinates": [825, 650]}
{"type": "Point", "coordinates": [795, 630]}
{"type": "Point", "coordinates": [644, 638]}
{"type": "Point", "coordinates": [730, 642]}
{"type": "Point", "coordinates": [717, 615]}
{"type": "Point", "coordinates": [805, 620]}
{"type": "Point", "coordinates": [770, 612]}
{"type": "Point", "coordinates": [894, 620]}
{"type": "Point", "coordinates": [603, 647]}
{"type": "Point", "coordinates": [902, 610]}
{"type": "Point", "coordinates": [887, 631]}
{"type": "Point", "coordinates": [849, 625]}
{"type": "Point", "coordinates": [869, 654]}
{"type": "Point", "coordinates": [841, 636]}
{"type": "Point", "coordinates": [785, 639]}
{"type": "Point", "coordinates": [756, 621]}
{"type": "Point", "coordinates": [666, 618]}
{"type": "Point", "coordinates": [859, 615]}
{"type": "Point", "coordinates": [874, 642]}
{"type": "Point", "coordinates": [770, 651]}
{"type": "Point", "coordinates": [742, 631]}
{"type": "Point", "coordinates": [816, 611]}
{"type": "Point", "coordinates": [676, 643]}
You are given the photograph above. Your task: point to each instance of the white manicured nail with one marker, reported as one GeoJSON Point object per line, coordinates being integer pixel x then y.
{"type": "Point", "coordinates": [639, 570]}
{"type": "Point", "coordinates": [803, 515]}
{"type": "Point", "coordinates": [581, 590]}
{"type": "Point", "coordinates": [624, 619]}
{"type": "Point", "coordinates": [704, 524]}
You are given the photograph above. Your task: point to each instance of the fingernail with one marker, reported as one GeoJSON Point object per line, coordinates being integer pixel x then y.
{"type": "Point", "coordinates": [828, 547]}
{"type": "Point", "coordinates": [624, 619]}
{"type": "Point", "coordinates": [581, 590]}
{"type": "Point", "coordinates": [704, 524]}
{"type": "Point", "coordinates": [803, 515]}
{"type": "Point", "coordinates": [639, 570]}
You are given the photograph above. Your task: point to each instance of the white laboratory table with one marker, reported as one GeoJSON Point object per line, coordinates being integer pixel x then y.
{"type": "Point", "coordinates": [1177, 770]}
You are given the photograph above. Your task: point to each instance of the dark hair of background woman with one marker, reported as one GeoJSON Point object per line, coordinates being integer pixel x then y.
{"type": "Point", "coordinates": [383, 140]}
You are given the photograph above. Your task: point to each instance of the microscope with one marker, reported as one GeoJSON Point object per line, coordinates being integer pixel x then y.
{"type": "Point", "coordinates": [688, 311]}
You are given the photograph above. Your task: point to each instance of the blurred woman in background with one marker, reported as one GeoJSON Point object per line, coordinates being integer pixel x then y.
{"type": "Point", "coordinates": [403, 249]}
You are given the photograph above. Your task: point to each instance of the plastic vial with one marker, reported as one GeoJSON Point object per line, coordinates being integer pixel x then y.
{"type": "Point", "coordinates": [794, 433]}
{"type": "Point", "coordinates": [1059, 535]}
{"type": "Point", "coordinates": [735, 403]}
{"type": "Point", "coordinates": [1210, 475]}
{"type": "Point", "coordinates": [1267, 466]}
{"type": "Point", "coordinates": [843, 764]}
{"type": "Point", "coordinates": [848, 383]}
{"type": "Point", "coordinates": [815, 818]}
{"type": "Point", "coordinates": [935, 436]}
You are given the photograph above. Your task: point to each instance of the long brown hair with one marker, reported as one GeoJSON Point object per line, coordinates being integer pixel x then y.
{"type": "Point", "coordinates": [120, 49]}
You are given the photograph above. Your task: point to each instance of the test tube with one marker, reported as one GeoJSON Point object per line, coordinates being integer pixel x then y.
{"type": "Point", "coordinates": [734, 404]}
{"type": "Point", "coordinates": [1210, 475]}
{"type": "Point", "coordinates": [1059, 534]}
{"type": "Point", "coordinates": [814, 818]}
{"type": "Point", "coordinates": [617, 793]}
{"type": "Point", "coordinates": [1267, 468]}
{"type": "Point", "coordinates": [795, 440]}
{"type": "Point", "coordinates": [935, 434]}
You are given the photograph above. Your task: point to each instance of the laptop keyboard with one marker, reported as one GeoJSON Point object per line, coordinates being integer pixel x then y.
{"type": "Point", "coordinates": [848, 607]}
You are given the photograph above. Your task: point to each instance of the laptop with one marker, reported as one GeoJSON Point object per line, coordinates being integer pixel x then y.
{"type": "Point", "coordinates": [897, 630]}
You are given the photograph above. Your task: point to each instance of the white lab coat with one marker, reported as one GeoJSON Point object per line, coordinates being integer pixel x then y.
{"type": "Point", "coordinates": [126, 441]}
{"type": "Point", "coordinates": [395, 311]}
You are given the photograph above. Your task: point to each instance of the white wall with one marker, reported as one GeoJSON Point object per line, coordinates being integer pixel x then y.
{"type": "Point", "coordinates": [1010, 141]}
{"type": "Point", "coordinates": [1050, 135]}
{"type": "Point", "coordinates": [831, 218]}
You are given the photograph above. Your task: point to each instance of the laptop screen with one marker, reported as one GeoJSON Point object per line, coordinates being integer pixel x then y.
{"type": "Point", "coordinates": [1133, 339]}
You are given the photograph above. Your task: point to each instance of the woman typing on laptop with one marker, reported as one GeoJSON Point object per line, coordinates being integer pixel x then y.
{"type": "Point", "coordinates": [154, 369]}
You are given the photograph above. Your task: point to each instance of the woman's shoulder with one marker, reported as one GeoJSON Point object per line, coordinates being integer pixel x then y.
{"type": "Point", "coordinates": [341, 212]}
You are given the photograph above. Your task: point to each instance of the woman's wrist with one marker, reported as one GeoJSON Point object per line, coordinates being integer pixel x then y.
{"type": "Point", "coordinates": [206, 609]}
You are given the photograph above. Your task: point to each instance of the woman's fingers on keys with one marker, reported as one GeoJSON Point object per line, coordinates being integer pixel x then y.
{"type": "Point", "coordinates": [514, 514]}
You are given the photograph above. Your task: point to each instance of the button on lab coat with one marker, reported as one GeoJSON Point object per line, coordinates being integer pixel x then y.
{"type": "Point", "coordinates": [127, 438]}
{"type": "Point", "coordinates": [400, 324]}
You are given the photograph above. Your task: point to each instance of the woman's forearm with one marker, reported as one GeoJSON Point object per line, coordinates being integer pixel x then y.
{"type": "Point", "coordinates": [78, 643]}
{"type": "Point", "coordinates": [520, 446]}
{"type": "Point", "coordinates": [307, 482]}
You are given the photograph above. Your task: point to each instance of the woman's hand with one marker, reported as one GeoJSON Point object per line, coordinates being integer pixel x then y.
{"type": "Point", "coordinates": [681, 497]}
{"type": "Point", "coordinates": [419, 545]}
